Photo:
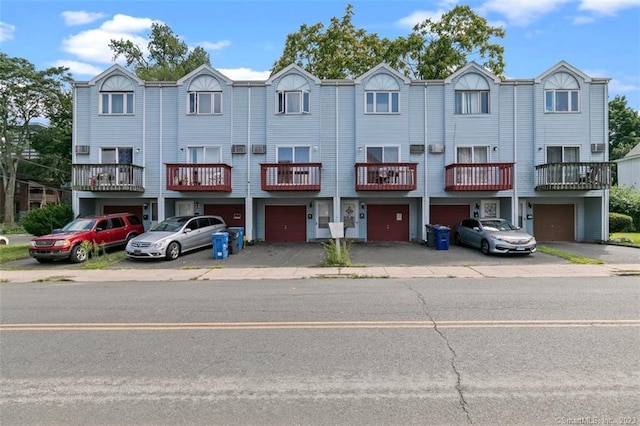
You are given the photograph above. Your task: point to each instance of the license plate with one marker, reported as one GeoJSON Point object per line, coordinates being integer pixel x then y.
{"type": "Point", "coordinates": [519, 248]}
{"type": "Point", "coordinates": [137, 251]}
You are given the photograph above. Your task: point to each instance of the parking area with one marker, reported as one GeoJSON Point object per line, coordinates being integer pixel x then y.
{"type": "Point", "coordinates": [265, 255]}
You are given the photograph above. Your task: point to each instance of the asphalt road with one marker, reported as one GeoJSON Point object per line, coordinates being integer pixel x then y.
{"type": "Point", "coordinates": [332, 351]}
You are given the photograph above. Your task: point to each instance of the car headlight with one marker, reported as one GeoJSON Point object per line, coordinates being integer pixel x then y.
{"type": "Point", "coordinates": [61, 243]}
{"type": "Point", "coordinates": [160, 244]}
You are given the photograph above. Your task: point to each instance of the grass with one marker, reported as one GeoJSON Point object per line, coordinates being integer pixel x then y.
{"type": "Point", "coordinates": [101, 261]}
{"type": "Point", "coordinates": [632, 238]}
{"type": "Point", "coordinates": [337, 255]}
{"type": "Point", "coordinates": [13, 252]}
{"type": "Point", "coordinates": [570, 257]}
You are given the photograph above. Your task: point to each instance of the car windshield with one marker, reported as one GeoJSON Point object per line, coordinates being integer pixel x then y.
{"type": "Point", "coordinates": [497, 225]}
{"type": "Point", "coordinates": [79, 225]}
{"type": "Point", "coordinates": [171, 225]}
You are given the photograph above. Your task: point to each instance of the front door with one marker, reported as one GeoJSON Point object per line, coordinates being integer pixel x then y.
{"type": "Point", "coordinates": [323, 217]}
{"type": "Point", "coordinates": [350, 218]}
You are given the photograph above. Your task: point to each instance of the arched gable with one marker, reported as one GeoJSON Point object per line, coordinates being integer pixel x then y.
{"type": "Point", "coordinates": [382, 82]}
{"type": "Point", "coordinates": [472, 81]}
{"type": "Point", "coordinates": [205, 83]}
{"type": "Point", "coordinates": [292, 82]}
{"type": "Point", "coordinates": [117, 83]}
{"type": "Point", "coordinates": [561, 80]}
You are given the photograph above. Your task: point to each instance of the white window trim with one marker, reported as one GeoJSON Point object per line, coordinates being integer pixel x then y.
{"type": "Point", "coordinates": [125, 103]}
{"type": "Point", "coordinates": [555, 94]}
{"type": "Point", "coordinates": [397, 147]}
{"type": "Point", "coordinates": [282, 110]}
{"type": "Point", "coordinates": [473, 148]}
{"type": "Point", "coordinates": [293, 147]}
{"type": "Point", "coordinates": [489, 206]}
{"type": "Point", "coordinates": [197, 93]}
{"type": "Point", "coordinates": [464, 102]}
{"type": "Point", "coordinates": [375, 101]}
{"type": "Point", "coordinates": [204, 148]}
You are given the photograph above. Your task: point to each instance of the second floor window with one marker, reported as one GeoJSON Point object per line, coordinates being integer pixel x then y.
{"type": "Point", "coordinates": [293, 102]}
{"type": "Point", "coordinates": [293, 154]}
{"type": "Point", "coordinates": [116, 103]}
{"type": "Point", "coordinates": [472, 102]}
{"type": "Point", "coordinates": [561, 100]}
{"type": "Point", "coordinates": [202, 155]}
{"type": "Point", "coordinates": [472, 154]}
{"type": "Point", "coordinates": [205, 102]}
{"type": "Point", "coordinates": [382, 102]}
{"type": "Point", "coordinates": [383, 154]}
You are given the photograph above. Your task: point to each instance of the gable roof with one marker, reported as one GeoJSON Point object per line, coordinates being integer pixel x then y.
{"type": "Point", "coordinates": [563, 66]}
{"type": "Point", "coordinates": [115, 69]}
{"type": "Point", "coordinates": [205, 69]}
{"type": "Point", "coordinates": [382, 67]}
{"type": "Point", "coordinates": [472, 67]}
{"type": "Point", "coordinates": [293, 68]}
{"type": "Point", "coordinates": [631, 155]}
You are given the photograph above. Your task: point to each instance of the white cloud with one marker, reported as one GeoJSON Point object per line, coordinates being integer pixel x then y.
{"type": "Point", "coordinates": [617, 86]}
{"type": "Point", "coordinates": [125, 23]}
{"type": "Point", "coordinates": [79, 68]}
{"type": "Point", "coordinates": [244, 74]}
{"type": "Point", "coordinates": [607, 7]}
{"type": "Point", "coordinates": [218, 45]}
{"type": "Point", "coordinates": [6, 31]}
{"type": "Point", "coordinates": [525, 12]}
{"type": "Point", "coordinates": [581, 20]}
{"type": "Point", "coordinates": [80, 17]}
{"type": "Point", "coordinates": [419, 16]}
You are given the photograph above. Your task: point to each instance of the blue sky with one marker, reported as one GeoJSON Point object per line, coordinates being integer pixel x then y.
{"type": "Point", "coordinates": [245, 38]}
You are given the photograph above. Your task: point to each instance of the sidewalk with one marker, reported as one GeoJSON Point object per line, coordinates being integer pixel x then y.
{"type": "Point", "coordinates": [203, 274]}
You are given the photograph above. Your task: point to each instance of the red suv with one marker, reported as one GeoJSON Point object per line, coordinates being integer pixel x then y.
{"type": "Point", "coordinates": [105, 231]}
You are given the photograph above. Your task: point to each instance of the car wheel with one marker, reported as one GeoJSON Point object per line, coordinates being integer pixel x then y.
{"type": "Point", "coordinates": [79, 254]}
{"type": "Point", "coordinates": [484, 246]}
{"type": "Point", "coordinates": [173, 251]}
{"type": "Point", "coordinates": [457, 239]}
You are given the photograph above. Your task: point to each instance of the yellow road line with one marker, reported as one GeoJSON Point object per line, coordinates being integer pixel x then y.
{"type": "Point", "coordinates": [318, 325]}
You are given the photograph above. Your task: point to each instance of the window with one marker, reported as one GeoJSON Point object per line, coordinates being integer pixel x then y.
{"type": "Point", "coordinates": [120, 175]}
{"type": "Point", "coordinates": [202, 155]}
{"type": "Point", "coordinates": [563, 173]}
{"type": "Point", "coordinates": [561, 93]}
{"type": "Point", "coordinates": [383, 154]}
{"type": "Point", "coordinates": [473, 154]}
{"type": "Point", "coordinates": [116, 96]}
{"type": "Point", "coordinates": [205, 103]}
{"type": "Point", "coordinates": [204, 96]}
{"type": "Point", "coordinates": [472, 95]}
{"type": "Point", "coordinates": [472, 102]}
{"type": "Point", "coordinates": [293, 154]}
{"type": "Point", "coordinates": [293, 102]}
{"type": "Point", "coordinates": [563, 154]}
{"type": "Point", "coordinates": [382, 102]}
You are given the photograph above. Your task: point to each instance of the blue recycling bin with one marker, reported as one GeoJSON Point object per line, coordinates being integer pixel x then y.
{"type": "Point", "coordinates": [442, 237]}
{"type": "Point", "coordinates": [240, 231]}
{"type": "Point", "coordinates": [220, 241]}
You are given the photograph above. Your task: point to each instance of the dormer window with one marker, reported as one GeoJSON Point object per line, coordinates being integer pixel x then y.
{"type": "Point", "coordinates": [561, 93]}
{"type": "Point", "coordinates": [382, 95]}
{"type": "Point", "coordinates": [116, 96]}
{"type": "Point", "coordinates": [293, 102]}
{"type": "Point", "coordinates": [472, 95]}
{"type": "Point", "coordinates": [293, 95]}
{"type": "Point", "coordinates": [205, 96]}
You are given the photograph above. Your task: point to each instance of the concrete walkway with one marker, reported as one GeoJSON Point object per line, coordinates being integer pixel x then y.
{"type": "Point", "coordinates": [203, 274]}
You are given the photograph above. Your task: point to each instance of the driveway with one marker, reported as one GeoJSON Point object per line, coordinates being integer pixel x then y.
{"type": "Point", "coordinates": [264, 255]}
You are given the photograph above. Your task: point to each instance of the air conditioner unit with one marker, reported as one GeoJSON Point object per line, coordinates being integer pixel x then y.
{"type": "Point", "coordinates": [436, 149]}
{"type": "Point", "coordinates": [238, 149]}
{"type": "Point", "coordinates": [416, 149]}
{"type": "Point", "coordinates": [82, 149]}
{"type": "Point", "coordinates": [597, 147]}
{"type": "Point", "coordinates": [259, 149]}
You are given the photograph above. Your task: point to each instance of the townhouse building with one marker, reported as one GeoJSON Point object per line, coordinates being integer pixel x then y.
{"type": "Point", "coordinates": [382, 154]}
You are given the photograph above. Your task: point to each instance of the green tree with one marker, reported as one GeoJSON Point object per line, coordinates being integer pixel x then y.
{"type": "Point", "coordinates": [624, 128]}
{"type": "Point", "coordinates": [25, 94]}
{"type": "Point", "coordinates": [433, 50]}
{"type": "Point", "coordinates": [169, 59]}
{"type": "Point", "coordinates": [44, 220]}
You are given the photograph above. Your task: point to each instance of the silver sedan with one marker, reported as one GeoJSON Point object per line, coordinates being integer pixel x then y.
{"type": "Point", "coordinates": [493, 236]}
{"type": "Point", "coordinates": [174, 236]}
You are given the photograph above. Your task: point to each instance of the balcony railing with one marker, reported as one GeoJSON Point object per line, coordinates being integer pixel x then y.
{"type": "Point", "coordinates": [291, 176]}
{"type": "Point", "coordinates": [385, 176]}
{"type": "Point", "coordinates": [107, 177]}
{"type": "Point", "coordinates": [573, 176]}
{"type": "Point", "coordinates": [199, 177]}
{"type": "Point", "coordinates": [478, 176]}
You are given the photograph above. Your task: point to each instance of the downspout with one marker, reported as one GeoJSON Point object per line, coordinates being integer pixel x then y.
{"type": "Point", "coordinates": [425, 199]}
{"type": "Point", "coordinates": [336, 197]}
{"type": "Point", "coordinates": [515, 204]}
{"type": "Point", "coordinates": [163, 180]}
{"type": "Point", "coordinates": [75, 199]}
{"type": "Point", "coordinates": [248, 208]}
{"type": "Point", "coordinates": [604, 236]}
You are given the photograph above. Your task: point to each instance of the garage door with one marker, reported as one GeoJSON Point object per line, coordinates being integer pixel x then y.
{"type": "Point", "coordinates": [233, 214]}
{"type": "Point", "coordinates": [285, 223]}
{"type": "Point", "coordinates": [137, 210]}
{"type": "Point", "coordinates": [448, 215]}
{"type": "Point", "coordinates": [554, 222]}
{"type": "Point", "coordinates": [388, 222]}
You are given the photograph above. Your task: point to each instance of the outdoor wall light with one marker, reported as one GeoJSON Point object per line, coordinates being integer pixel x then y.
{"type": "Point", "coordinates": [477, 206]}
{"type": "Point", "coordinates": [310, 204]}
{"type": "Point", "coordinates": [145, 206]}
{"type": "Point", "coordinates": [137, 150]}
{"type": "Point", "coordinates": [530, 205]}
{"type": "Point", "coordinates": [495, 148]}
{"type": "Point", "coordinates": [197, 205]}
{"type": "Point", "coordinates": [362, 206]}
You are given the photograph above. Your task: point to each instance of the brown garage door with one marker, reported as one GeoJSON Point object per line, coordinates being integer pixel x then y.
{"type": "Point", "coordinates": [448, 215]}
{"type": "Point", "coordinates": [137, 210]}
{"type": "Point", "coordinates": [554, 222]}
{"type": "Point", "coordinates": [233, 214]}
{"type": "Point", "coordinates": [285, 223]}
{"type": "Point", "coordinates": [388, 222]}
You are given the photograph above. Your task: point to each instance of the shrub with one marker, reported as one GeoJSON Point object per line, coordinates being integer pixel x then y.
{"type": "Point", "coordinates": [47, 218]}
{"type": "Point", "coordinates": [337, 255]}
{"type": "Point", "coordinates": [625, 200]}
{"type": "Point", "coordinates": [620, 223]}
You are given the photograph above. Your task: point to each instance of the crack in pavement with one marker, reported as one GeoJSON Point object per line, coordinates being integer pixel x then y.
{"type": "Point", "coordinates": [463, 402]}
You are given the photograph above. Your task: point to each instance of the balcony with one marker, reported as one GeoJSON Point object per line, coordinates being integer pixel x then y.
{"type": "Point", "coordinates": [386, 176]}
{"type": "Point", "coordinates": [107, 178]}
{"type": "Point", "coordinates": [573, 176]}
{"type": "Point", "coordinates": [291, 176]}
{"type": "Point", "coordinates": [199, 177]}
{"type": "Point", "coordinates": [478, 176]}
